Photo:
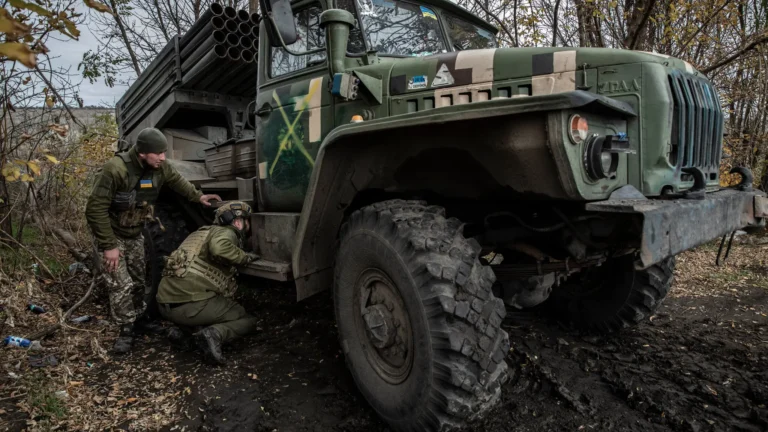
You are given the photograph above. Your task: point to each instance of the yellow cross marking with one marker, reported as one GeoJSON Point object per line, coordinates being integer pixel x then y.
{"type": "Point", "coordinates": [290, 138]}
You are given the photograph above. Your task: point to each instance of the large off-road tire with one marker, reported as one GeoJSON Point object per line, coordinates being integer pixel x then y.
{"type": "Point", "coordinates": [418, 323]}
{"type": "Point", "coordinates": [158, 244]}
{"type": "Point", "coordinates": [613, 296]}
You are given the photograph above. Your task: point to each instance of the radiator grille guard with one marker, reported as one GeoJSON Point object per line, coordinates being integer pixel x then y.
{"type": "Point", "coordinates": [697, 125]}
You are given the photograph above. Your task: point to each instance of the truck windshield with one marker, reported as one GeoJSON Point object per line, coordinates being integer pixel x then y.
{"type": "Point", "coordinates": [466, 36]}
{"type": "Point", "coordinates": [401, 28]}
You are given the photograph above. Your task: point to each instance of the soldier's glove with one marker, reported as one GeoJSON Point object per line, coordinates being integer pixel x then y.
{"type": "Point", "coordinates": [252, 257]}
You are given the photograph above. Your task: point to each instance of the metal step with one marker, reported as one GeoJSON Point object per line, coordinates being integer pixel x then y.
{"type": "Point", "coordinates": [278, 271]}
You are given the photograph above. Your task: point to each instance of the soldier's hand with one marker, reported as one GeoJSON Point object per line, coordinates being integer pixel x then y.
{"type": "Point", "coordinates": [252, 257]}
{"type": "Point", "coordinates": [205, 199]}
{"type": "Point", "coordinates": [111, 258]}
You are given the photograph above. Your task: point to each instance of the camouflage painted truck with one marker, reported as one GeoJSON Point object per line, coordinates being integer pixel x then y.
{"type": "Point", "coordinates": [398, 157]}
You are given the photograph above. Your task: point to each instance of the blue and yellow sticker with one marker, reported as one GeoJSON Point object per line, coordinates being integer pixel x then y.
{"type": "Point", "coordinates": [144, 184]}
{"type": "Point", "coordinates": [428, 12]}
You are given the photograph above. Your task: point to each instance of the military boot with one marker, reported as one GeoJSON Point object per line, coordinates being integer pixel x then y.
{"type": "Point", "coordinates": [209, 342]}
{"type": "Point", "coordinates": [180, 339]}
{"type": "Point", "coordinates": [125, 340]}
{"type": "Point", "coordinates": [147, 325]}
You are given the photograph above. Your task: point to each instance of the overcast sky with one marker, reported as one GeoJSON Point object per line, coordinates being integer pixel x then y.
{"type": "Point", "coordinates": [70, 54]}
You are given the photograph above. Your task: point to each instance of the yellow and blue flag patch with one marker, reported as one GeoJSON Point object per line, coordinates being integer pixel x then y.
{"type": "Point", "coordinates": [144, 184]}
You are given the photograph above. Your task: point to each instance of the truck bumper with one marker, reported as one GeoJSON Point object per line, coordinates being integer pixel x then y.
{"type": "Point", "coordinates": [673, 226]}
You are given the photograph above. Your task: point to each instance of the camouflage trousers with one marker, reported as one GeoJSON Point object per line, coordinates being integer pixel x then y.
{"type": "Point", "coordinates": [127, 286]}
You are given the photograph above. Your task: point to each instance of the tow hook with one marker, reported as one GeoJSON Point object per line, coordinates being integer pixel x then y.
{"type": "Point", "coordinates": [698, 190]}
{"type": "Point", "coordinates": [746, 178]}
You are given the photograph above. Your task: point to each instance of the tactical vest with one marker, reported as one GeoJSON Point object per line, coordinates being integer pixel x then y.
{"type": "Point", "coordinates": [135, 206]}
{"type": "Point", "coordinates": [186, 261]}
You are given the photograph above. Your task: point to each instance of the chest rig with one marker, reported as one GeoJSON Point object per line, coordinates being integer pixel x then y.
{"type": "Point", "coordinates": [187, 260]}
{"type": "Point", "coordinates": [135, 206]}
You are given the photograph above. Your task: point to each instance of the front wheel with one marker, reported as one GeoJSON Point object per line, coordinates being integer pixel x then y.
{"type": "Point", "coordinates": [613, 296]}
{"type": "Point", "coordinates": [419, 326]}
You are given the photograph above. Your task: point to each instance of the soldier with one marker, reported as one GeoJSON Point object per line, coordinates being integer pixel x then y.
{"type": "Point", "coordinates": [199, 281]}
{"type": "Point", "coordinates": [121, 201]}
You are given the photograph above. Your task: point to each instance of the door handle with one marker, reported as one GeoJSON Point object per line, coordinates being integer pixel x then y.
{"type": "Point", "coordinates": [265, 110]}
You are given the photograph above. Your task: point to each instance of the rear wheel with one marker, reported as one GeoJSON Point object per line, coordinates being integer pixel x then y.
{"type": "Point", "coordinates": [613, 296]}
{"type": "Point", "coordinates": [419, 326]}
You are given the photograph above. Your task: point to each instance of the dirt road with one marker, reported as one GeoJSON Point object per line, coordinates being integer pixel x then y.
{"type": "Point", "coordinates": [700, 365]}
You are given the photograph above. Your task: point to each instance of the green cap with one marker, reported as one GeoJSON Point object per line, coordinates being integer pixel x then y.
{"type": "Point", "coordinates": [151, 140]}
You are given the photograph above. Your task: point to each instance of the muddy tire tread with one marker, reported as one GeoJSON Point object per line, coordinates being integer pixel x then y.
{"type": "Point", "coordinates": [464, 318]}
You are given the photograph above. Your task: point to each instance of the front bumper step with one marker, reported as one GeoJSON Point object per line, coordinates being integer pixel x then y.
{"type": "Point", "coordinates": [673, 226]}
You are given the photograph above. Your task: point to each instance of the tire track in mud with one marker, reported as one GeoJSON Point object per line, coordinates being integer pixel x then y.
{"type": "Point", "coordinates": [700, 365]}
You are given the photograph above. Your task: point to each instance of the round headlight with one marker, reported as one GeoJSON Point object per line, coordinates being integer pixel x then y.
{"type": "Point", "coordinates": [579, 129]}
{"type": "Point", "coordinates": [599, 163]}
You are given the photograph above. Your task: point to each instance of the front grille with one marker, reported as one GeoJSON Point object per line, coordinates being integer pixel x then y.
{"type": "Point", "coordinates": [697, 126]}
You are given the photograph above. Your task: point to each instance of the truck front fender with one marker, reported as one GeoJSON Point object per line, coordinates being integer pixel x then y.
{"type": "Point", "coordinates": [345, 165]}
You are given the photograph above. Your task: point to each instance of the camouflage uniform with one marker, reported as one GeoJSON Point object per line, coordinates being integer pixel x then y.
{"type": "Point", "coordinates": [199, 281]}
{"type": "Point", "coordinates": [126, 285]}
{"type": "Point", "coordinates": [137, 186]}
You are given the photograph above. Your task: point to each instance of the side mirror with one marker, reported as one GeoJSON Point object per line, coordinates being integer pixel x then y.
{"type": "Point", "coordinates": [278, 17]}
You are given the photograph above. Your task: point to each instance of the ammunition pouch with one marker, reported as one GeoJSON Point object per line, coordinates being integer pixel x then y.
{"type": "Point", "coordinates": [123, 201]}
{"type": "Point", "coordinates": [136, 216]}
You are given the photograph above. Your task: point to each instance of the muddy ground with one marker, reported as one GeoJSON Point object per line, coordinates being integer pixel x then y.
{"type": "Point", "coordinates": [701, 364]}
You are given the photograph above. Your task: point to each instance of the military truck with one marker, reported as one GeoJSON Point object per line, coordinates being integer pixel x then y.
{"type": "Point", "coordinates": [399, 157]}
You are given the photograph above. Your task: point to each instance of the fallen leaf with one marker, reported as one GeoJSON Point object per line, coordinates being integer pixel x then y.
{"type": "Point", "coordinates": [19, 52]}
{"type": "Point", "coordinates": [75, 383]}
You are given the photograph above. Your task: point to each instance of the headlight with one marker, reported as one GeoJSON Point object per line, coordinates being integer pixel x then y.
{"type": "Point", "coordinates": [600, 161]}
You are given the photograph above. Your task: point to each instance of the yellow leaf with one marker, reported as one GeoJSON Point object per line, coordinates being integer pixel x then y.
{"type": "Point", "coordinates": [34, 167]}
{"type": "Point", "coordinates": [27, 178]}
{"type": "Point", "coordinates": [52, 159]}
{"type": "Point", "coordinates": [101, 7]}
{"type": "Point", "coordinates": [18, 51]}
{"type": "Point", "coordinates": [11, 173]}
{"type": "Point", "coordinates": [20, 4]}
{"type": "Point", "coordinates": [10, 25]}
{"type": "Point", "coordinates": [71, 29]}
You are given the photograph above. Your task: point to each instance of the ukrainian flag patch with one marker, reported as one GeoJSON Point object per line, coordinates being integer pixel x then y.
{"type": "Point", "coordinates": [144, 184]}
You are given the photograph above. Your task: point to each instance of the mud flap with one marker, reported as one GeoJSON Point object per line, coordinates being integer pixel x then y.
{"type": "Point", "coordinates": [676, 225]}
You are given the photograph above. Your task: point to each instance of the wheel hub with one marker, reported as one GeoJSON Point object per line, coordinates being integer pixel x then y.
{"type": "Point", "coordinates": [380, 326]}
{"type": "Point", "coordinates": [387, 327]}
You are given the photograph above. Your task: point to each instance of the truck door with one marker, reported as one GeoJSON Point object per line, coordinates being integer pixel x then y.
{"type": "Point", "coordinates": [293, 108]}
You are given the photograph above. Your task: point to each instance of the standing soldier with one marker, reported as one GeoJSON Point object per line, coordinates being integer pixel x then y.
{"type": "Point", "coordinates": [198, 281]}
{"type": "Point", "coordinates": [121, 201]}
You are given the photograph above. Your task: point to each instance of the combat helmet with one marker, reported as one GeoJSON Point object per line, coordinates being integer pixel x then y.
{"type": "Point", "coordinates": [230, 211]}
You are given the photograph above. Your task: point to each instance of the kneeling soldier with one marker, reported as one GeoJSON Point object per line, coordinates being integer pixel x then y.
{"type": "Point", "coordinates": [199, 281]}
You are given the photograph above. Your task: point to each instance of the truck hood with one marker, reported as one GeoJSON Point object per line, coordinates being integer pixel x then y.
{"type": "Point", "coordinates": [550, 69]}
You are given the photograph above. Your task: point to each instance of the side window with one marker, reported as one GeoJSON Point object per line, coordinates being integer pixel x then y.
{"type": "Point", "coordinates": [311, 36]}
